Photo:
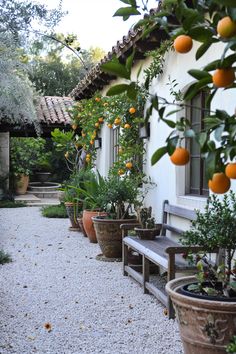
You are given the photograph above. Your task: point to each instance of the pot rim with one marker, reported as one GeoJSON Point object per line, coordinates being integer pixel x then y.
{"type": "Point", "coordinates": [98, 219]}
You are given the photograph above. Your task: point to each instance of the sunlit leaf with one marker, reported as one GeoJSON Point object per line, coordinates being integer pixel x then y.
{"type": "Point", "coordinates": [158, 155]}
{"type": "Point", "coordinates": [117, 89]}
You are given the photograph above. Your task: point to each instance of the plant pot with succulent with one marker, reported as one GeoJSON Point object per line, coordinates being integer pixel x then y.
{"type": "Point", "coordinates": [205, 305]}
{"type": "Point", "coordinates": [117, 196]}
{"type": "Point", "coordinates": [149, 229]}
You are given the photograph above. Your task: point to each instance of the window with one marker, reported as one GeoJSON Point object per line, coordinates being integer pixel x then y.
{"type": "Point", "coordinates": [195, 172]}
{"type": "Point", "coordinates": [114, 145]}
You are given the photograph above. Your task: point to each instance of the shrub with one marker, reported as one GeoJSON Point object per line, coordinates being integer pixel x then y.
{"type": "Point", "coordinates": [54, 211]}
{"type": "Point", "coordinates": [4, 257]}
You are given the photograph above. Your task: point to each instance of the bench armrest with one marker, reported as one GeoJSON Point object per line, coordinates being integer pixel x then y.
{"type": "Point", "coordinates": [184, 249]}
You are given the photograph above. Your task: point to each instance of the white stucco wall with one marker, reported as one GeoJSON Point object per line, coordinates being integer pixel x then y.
{"type": "Point", "coordinates": [168, 178]}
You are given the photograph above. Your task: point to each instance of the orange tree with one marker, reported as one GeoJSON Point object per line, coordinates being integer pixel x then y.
{"type": "Point", "coordinates": [119, 112]}
{"type": "Point", "coordinates": [207, 22]}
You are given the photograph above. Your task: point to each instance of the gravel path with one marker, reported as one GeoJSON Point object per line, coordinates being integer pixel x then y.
{"type": "Point", "coordinates": [54, 278]}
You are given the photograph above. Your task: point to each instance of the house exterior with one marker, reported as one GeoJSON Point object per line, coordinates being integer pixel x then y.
{"type": "Point", "coordinates": [183, 185]}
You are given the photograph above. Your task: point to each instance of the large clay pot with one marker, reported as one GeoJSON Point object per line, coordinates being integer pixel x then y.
{"type": "Point", "coordinates": [109, 235]}
{"type": "Point", "coordinates": [206, 326]}
{"type": "Point", "coordinates": [21, 184]}
{"type": "Point", "coordinates": [88, 224]}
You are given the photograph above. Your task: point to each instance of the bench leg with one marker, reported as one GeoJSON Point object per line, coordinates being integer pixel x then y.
{"type": "Point", "coordinates": [125, 258]}
{"type": "Point", "coordinates": [146, 273]}
{"type": "Point", "coordinates": [171, 275]}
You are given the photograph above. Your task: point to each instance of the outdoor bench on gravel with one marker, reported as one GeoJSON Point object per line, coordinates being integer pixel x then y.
{"type": "Point", "coordinates": [163, 251]}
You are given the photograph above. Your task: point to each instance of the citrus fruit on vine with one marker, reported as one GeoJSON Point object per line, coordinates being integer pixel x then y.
{"type": "Point", "coordinates": [74, 126]}
{"type": "Point", "coordinates": [129, 165]}
{"type": "Point", "coordinates": [101, 120]}
{"type": "Point", "coordinates": [121, 172]}
{"type": "Point", "coordinates": [226, 27]}
{"type": "Point", "coordinates": [219, 183]}
{"type": "Point", "coordinates": [109, 125]}
{"type": "Point", "coordinates": [223, 77]}
{"type": "Point", "coordinates": [117, 121]}
{"type": "Point", "coordinates": [132, 110]}
{"type": "Point", "coordinates": [230, 170]}
{"type": "Point", "coordinates": [180, 156]}
{"type": "Point", "coordinates": [127, 126]}
{"type": "Point", "coordinates": [183, 43]}
{"type": "Point", "coordinates": [96, 125]}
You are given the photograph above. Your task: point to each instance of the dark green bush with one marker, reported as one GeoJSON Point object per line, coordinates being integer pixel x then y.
{"type": "Point", "coordinates": [54, 211]}
{"type": "Point", "coordinates": [11, 204]}
{"type": "Point", "coordinates": [4, 257]}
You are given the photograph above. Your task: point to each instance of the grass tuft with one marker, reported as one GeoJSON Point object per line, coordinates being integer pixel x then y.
{"type": "Point", "coordinates": [11, 204]}
{"type": "Point", "coordinates": [54, 211]}
{"type": "Point", "coordinates": [4, 257]}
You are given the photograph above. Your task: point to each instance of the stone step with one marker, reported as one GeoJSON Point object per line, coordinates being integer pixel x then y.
{"type": "Point", "coordinates": [43, 194]}
{"type": "Point", "coordinates": [28, 198]}
{"type": "Point", "coordinates": [45, 202]}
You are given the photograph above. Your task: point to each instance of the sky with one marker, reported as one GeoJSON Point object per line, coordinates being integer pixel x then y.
{"type": "Point", "coordinates": [92, 21]}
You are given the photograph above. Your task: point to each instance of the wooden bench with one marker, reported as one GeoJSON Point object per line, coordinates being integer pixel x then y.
{"type": "Point", "coordinates": [163, 251]}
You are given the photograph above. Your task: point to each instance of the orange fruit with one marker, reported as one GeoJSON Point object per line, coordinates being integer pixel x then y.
{"type": "Point", "coordinates": [66, 155]}
{"type": "Point", "coordinates": [120, 150]}
{"type": "Point", "coordinates": [101, 120]}
{"type": "Point", "coordinates": [117, 121]}
{"type": "Point", "coordinates": [88, 156]}
{"type": "Point", "coordinates": [219, 183]}
{"type": "Point", "coordinates": [87, 159]}
{"type": "Point", "coordinates": [127, 126]}
{"type": "Point", "coordinates": [91, 142]}
{"type": "Point", "coordinates": [180, 156]}
{"type": "Point", "coordinates": [230, 170]}
{"type": "Point", "coordinates": [109, 125]}
{"type": "Point", "coordinates": [223, 77]}
{"type": "Point", "coordinates": [83, 135]}
{"type": "Point", "coordinates": [97, 99]}
{"type": "Point", "coordinates": [96, 125]}
{"type": "Point", "coordinates": [226, 28]}
{"type": "Point", "coordinates": [121, 172]}
{"type": "Point", "coordinates": [129, 165]}
{"type": "Point", "coordinates": [74, 126]}
{"type": "Point", "coordinates": [183, 44]}
{"type": "Point", "coordinates": [132, 110]}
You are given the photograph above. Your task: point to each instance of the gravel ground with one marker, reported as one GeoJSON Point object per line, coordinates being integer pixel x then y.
{"type": "Point", "coordinates": [55, 278]}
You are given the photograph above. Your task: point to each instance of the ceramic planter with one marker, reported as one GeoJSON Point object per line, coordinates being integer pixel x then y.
{"type": "Point", "coordinates": [88, 224]}
{"type": "Point", "coordinates": [148, 234]}
{"type": "Point", "coordinates": [80, 221]}
{"type": "Point", "coordinates": [206, 326]}
{"type": "Point", "coordinates": [109, 235]}
{"type": "Point", "coordinates": [21, 184]}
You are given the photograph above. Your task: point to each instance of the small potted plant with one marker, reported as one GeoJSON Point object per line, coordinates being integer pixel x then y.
{"type": "Point", "coordinates": [149, 229]}
{"type": "Point", "coordinates": [209, 297]}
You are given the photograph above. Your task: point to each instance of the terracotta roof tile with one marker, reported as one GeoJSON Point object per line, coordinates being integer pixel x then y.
{"type": "Point", "coordinates": [54, 110]}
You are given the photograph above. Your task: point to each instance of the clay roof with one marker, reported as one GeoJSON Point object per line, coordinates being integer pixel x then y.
{"type": "Point", "coordinates": [53, 110]}
{"type": "Point", "coordinates": [96, 79]}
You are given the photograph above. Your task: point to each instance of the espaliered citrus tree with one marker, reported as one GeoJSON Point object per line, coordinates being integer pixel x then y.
{"type": "Point", "coordinates": [207, 22]}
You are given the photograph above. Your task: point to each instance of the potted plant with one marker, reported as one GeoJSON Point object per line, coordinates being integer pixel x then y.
{"type": "Point", "coordinates": [210, 297]}
{"type": "Point", "coordinates": [88, 192]}
{"type": "Point", "coordinates": [117, 197]}
{"type": "Point", "coordinates": [149, 229]}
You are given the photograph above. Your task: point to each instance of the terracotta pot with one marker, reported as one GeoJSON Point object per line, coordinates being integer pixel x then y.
{"type": "Point", "coordinates": [72, 213]}
{"type": "Point", "coordinates": [148, 234]}
{"type": "Point", "coordinates": [88, 223]}
{"type": "Point", "coordinates": [80, 221]}
{"type": "Point", "coordinates": [21, 184]}
{"type": "Point", "coordinates": [206, 326]}
{"type": "Point", "coordinates": [109, 235]}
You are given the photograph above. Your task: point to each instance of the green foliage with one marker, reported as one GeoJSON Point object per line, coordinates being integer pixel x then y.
{"type": "Point", "coordinates": [4, 257]}
{"type": "Point", "coordinates": [54, 211]}
{"type": "Point", "coordinates": [24, 154]}
{"type": "Point", "coordinates": [11, 204]}
{"type": "Point", "coordinates": [231, 347]}
{"type": "Point", "coordinates": [214, 228]}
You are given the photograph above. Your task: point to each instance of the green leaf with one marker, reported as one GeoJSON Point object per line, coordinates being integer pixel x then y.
{"type": "Point", "coordinates": [129, 62]}
{"type": "Point", "coordinates": [154, 102]}
{"type": "Point", "coordinates": [173, 112]}
{"type": "Point", "coordinates": [226, 2]}
{"type": "Point", "coordinates": [221, 114]}
{"type": "Point", "coordinates": [191, 16]}
{"type": "Point", "coordinates": [196, 87]}
{"type": "Point", "coordinates": [211, 122]}
{"type": "Point", "coordinates": [190, 133]}
{"type": "Point", "coordinates": [211, 145]}
{"type": "Point", "coordinates": [126, 11]}
{"type": "Point", "coordinates": [158, 155]}
{"type": "Point", "coordinates": [114, 67]}
{"type": "Point", "coordinates": [200, 33]}
{"type": "Point", "coordinates": [210, 164]}
{"type": "Point", "coordinates": [117, 89]}
{"type": "Point", "coordinates": [199, 74]}
{"type": "Point", "coordinates": [132, 91]}
{"type": "Point", "coordinates": [171, 144]}
{"type": "Point", "coordinates": [170, 123]}
{"type": "Point", "coordinates": [202, 49]}
{"type": "Point", "coordinates": [201, 138]}
{"type": "Point", "coordinates": [232, 13]}
{"type": "Point", "coordinates": [219, 131]}
{"type": "Point", "coordinates": [161, 112]}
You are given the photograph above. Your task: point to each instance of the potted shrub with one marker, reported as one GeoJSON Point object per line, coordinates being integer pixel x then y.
{"type": "Point", "coordinates": [205, 305]}
{"type": "Point", "coordinates": [148, 229]}
{"type": "Point", "coordinates": [117, 197]}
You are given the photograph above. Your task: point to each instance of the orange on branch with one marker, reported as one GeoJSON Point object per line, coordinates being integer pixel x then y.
{"type": "Point", "coordinates": [180, 156]}
{"type": "Point", "coordinates": [219, 183]}
{"type": "Point", "coordinates": [129, 165]}
{"type": "Point", "coordinates": [230, 170]}
{"type": "Point", "coordinates": [223, 77]}
{"type": "Point", "coordinates": [121, 172]}
{"type": "Point", "coordinates": [132, 110]}
{"type": "Point", "coordinates": [117, 121]}
{"type": "Point", "coordinates": [109, 125]}
{"type": "Point", "coordinates": [183, 44]}
{"type": "Point", "coordinates": [97, 125]}
{"type": "Point", "coordinates": [91, 142]}
{"type": "Point", "coordinates": [101, 120]}
{"type": "Point", "coordinates": [97, 99]}
{"type": "Point", "coordinates": [127, 126]}
{"type": "Point", "coordinates": [226, 27]}
{"type": "Point", "coordinates": [74, 126]}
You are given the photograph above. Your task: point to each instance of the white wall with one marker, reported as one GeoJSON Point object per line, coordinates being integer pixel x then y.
{"type": "Point", "coordinates": [168, 178]}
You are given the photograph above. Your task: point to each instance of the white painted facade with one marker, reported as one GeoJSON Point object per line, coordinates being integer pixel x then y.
{"type": "Point", "coordinates": [170, 180]}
